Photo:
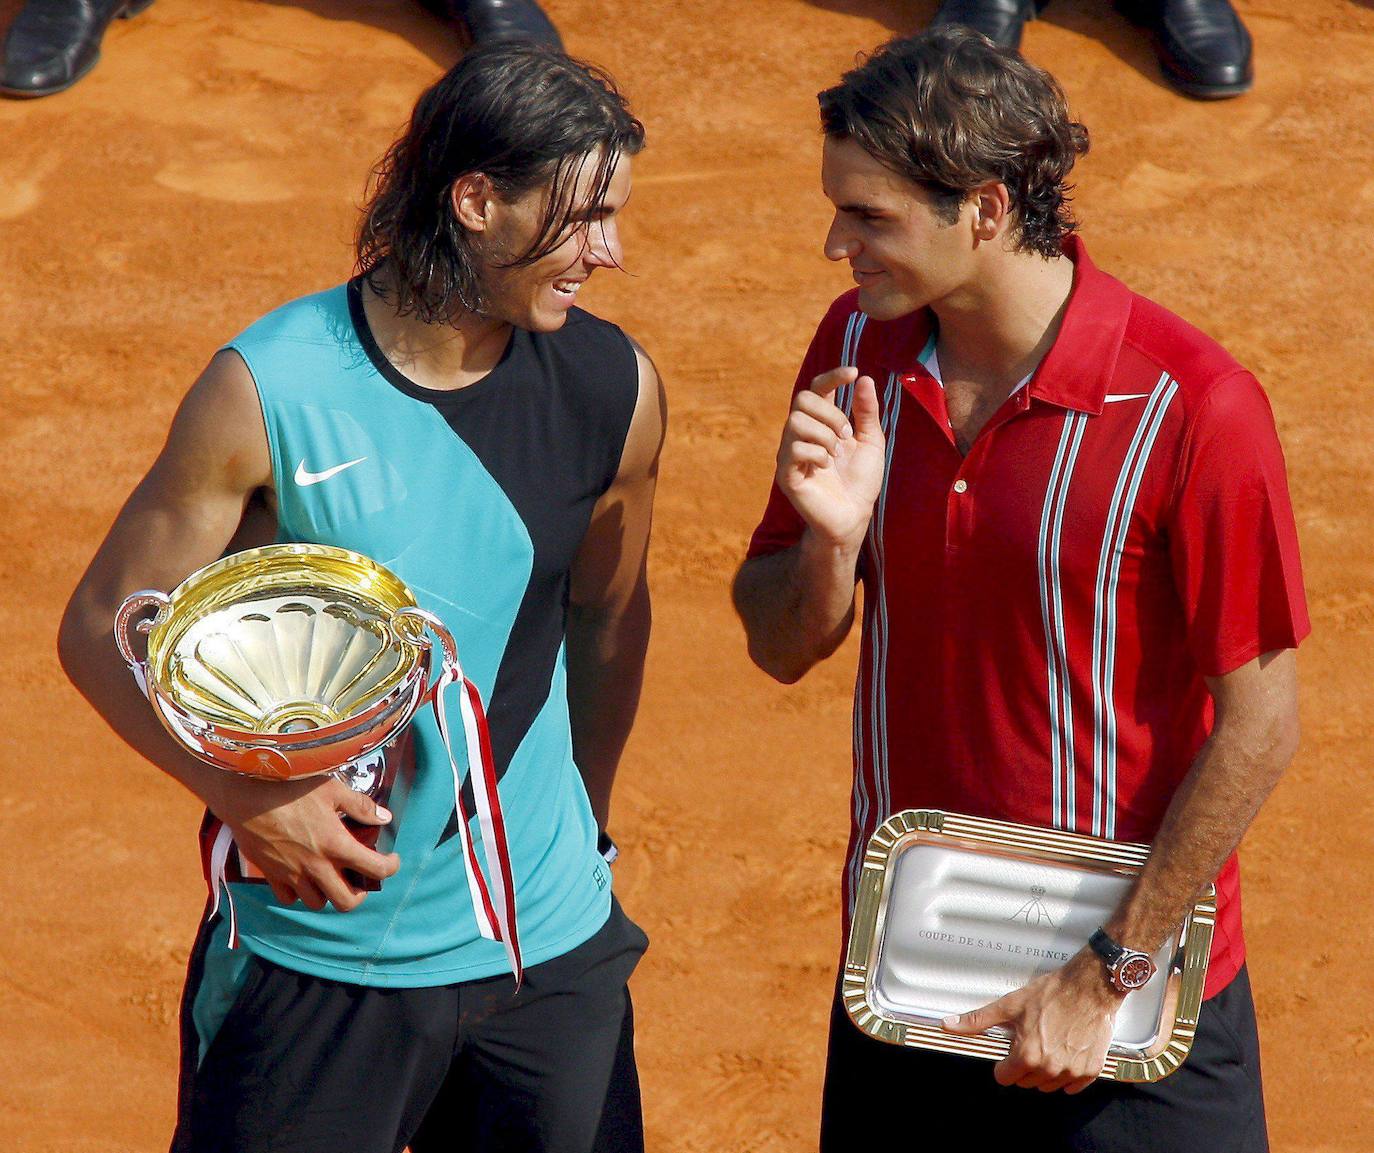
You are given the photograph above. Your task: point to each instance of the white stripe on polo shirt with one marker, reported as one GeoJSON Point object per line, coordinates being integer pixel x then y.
{"type": "Point", "coordinates": [873, 792]}
{"type": "Point", "coordinates": [1063, 796]}
{"type": "Point", "coordinates": [844, 398]}
{"type": "Point", "coordinates": [1105, 604]}
{"type": "Point", "coordinates": [849, 356]}
{"type": "Point", "coordinates": [892, 408]}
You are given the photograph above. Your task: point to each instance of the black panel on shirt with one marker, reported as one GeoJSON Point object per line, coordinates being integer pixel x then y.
{"type": "Point", "coordinates": [549, 424]}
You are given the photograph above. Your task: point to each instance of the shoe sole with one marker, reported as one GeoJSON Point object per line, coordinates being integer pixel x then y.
{"type": "Point", "coordinates": [131, 9]}
{"type": "Point", "coordinates": [1206, 91]}
{"type": "Point", "coordinates": [35, 93]}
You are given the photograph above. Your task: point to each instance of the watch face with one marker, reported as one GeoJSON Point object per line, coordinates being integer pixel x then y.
{"type": "Point", "coordinates": [1135, 971]}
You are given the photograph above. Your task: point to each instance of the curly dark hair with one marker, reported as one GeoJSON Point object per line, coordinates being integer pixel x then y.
{"type": "Point", "coordinates": [950, 110]}
{"type": "Point", "coordinates": [524, 115]}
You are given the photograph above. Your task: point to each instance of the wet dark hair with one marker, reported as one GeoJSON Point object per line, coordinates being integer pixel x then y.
{"type": "Point", "coordinates": [950, 110]}
{"type": "Point", "coordinates": [522, 114]}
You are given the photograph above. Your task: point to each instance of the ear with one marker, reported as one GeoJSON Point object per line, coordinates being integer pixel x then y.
{"type": "Point", "coordinates": [991, 211]}
{"type": "Point", "coordinates": [471, 197]}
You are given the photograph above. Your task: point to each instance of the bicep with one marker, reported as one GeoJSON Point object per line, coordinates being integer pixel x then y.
{"type": "Point", "coordinates": [186, 509]}
{"type": "Point", "coordinates": [610, 563]}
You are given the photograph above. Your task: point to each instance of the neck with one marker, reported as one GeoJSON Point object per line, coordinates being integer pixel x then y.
{"type": "Point", "coordinates": [445, 356]}
{"type": "Point", "coordinates": [996, 330]}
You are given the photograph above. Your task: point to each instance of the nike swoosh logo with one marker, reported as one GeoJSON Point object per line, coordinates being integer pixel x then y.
{"type": "Point", "coordinates": [1126, 396]}
{"type": "Point", "coordinates": [305, 477]}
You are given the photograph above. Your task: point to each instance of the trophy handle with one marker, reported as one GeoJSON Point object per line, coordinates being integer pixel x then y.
{"type": "Point", "coordinates": [423, 620]}
{"type": "Point", "coordinates": [136, 603]}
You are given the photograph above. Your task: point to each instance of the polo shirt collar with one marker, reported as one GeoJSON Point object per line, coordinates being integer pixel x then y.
{"type": "Point", "coordinates": [1080, 365]}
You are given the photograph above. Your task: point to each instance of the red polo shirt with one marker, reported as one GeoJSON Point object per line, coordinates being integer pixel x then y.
{"type": "Point", "coordinates": [1039, 615]}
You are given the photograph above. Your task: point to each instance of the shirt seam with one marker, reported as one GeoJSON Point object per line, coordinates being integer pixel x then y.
{"type": "Point", "coordinates": [1192, 417]}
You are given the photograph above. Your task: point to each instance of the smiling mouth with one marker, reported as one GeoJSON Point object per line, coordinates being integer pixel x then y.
{"type": "Point", "coordinates": [567, 288]}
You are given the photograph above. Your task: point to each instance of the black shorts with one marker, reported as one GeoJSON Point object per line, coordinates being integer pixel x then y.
{"type": "Point", "coordinates": [310, 1065]}
{"type": "Point", "coordinates": [1212, 1104]}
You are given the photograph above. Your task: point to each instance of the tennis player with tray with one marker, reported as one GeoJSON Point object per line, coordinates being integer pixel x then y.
{"type": "Point", "coordinates": [1081, 591]}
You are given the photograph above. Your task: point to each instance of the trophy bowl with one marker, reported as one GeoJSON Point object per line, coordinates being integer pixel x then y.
{"type": "Point", "coordinates": [282, 662]}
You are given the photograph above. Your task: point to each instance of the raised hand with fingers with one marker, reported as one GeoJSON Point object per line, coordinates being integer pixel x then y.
{"type": "Point", "coordinates": [831, 466]}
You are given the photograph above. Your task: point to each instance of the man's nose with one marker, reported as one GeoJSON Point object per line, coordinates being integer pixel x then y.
{"type": "Point", "coordinates": [839, 243]}
{"type": "Point", "coordinates": [603, 244]}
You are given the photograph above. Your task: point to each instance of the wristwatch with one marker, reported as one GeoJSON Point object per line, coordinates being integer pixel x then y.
{"type": "Point", "coordinates": [608, 849]}
{"type": "Point", "coordinates": [1127, 969]}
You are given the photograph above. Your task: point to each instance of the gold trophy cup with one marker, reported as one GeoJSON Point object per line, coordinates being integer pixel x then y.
{"type": "Point", "coordinates": [283, 662]}
{"type": "Point", "coordinates": [300, 659]}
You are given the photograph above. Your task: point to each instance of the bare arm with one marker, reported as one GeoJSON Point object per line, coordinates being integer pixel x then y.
{"type": "Point", "coordinates": [1063, 1020]}
{"type": "Point", "coordinates": [198, 496]}
{"type": "Point", "coordinates": [608, 612]}
{"type": "Point", "coordinates": [798, 605]}
{"type": "Point", "coordinates": [1254, 739]}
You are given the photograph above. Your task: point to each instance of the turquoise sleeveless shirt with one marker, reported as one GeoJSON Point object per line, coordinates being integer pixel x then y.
{"type": "Point", "coordinates": [478, 499]}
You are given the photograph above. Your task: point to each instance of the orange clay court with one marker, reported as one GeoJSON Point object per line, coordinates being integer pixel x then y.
{"type": "Point", "coordinates": [210, 168]}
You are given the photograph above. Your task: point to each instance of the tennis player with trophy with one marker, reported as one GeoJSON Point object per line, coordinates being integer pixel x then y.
{"type": "Point", "coordinates": [403, 703]}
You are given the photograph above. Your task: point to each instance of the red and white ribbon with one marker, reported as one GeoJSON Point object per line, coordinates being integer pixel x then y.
{"type": "Point", "coordinates": [215, 852]}
{"type": "Point", "coordinates": [492, 901]}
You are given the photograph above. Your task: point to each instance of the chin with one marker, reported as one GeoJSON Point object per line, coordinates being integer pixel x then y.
{"type": "Point", "coordinates": [547, 322]}
{"type": "Point", "coordinates": [887, 305]}
{"type": "Point", "coordinates": [537, 320]}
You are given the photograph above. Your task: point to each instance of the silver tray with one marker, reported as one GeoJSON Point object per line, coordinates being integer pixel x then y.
{"type": "Point", "coordinates": [953, 912]}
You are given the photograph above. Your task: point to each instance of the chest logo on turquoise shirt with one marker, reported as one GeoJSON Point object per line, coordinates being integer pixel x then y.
{"type": "Point", "coordinates": [304, 477]}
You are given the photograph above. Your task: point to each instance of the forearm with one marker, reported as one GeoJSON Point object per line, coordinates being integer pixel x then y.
{"type": "Point", "coordinates": [797, 606]}
{"type": "Point", "coordinates": [86, 648]}
{"type": "Point", "coordinates": [1063, 1019]}
{"type": "Point", "coordinates": [1233, 774]}
{"type": "Point", "coordinates": [289, 829]}
{"type": "Point", "coordinates": [605, 676]}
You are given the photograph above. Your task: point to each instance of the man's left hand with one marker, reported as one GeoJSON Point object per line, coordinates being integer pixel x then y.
{"type": "Point", "coordinates": [1063, 1024]}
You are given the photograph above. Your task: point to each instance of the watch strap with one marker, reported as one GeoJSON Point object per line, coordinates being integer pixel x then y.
{"type": "Point", "coordinates": [1109, 950]}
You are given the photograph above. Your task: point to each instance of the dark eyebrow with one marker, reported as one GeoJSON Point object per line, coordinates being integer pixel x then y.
{"type": "Point", "coordinates": [592, 211]}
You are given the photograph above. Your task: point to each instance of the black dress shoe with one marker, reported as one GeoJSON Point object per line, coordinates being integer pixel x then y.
{"type": "Point", "coordinates": [1204, 48]}
{"type": "Point", "coordinates": [53, 43]}
{"type": "Point", "coordinates": [1001, 21]}
{"type": "Point", "coordinates": [501, 21]}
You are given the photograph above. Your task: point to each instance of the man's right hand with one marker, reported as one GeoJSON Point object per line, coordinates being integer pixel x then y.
{"type": "Point", "coordinates": [829, 468]}
{"type": "Point", "coordinates": [294, 833]}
